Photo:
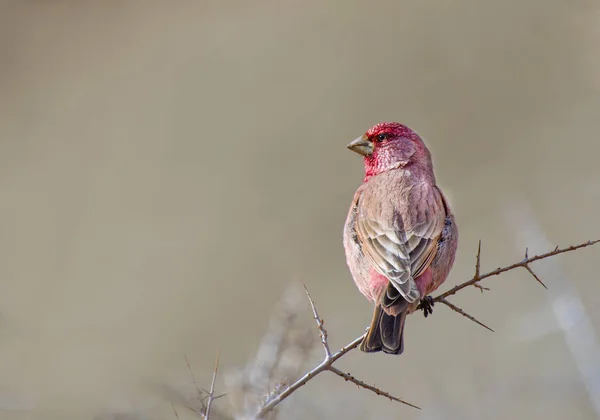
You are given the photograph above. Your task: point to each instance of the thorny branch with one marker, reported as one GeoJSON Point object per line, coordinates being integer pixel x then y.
{"type": "Point", "coordinates": [327, 363]}
{"type": "Point", "coordinates": [320, 326]}
{"type": "Point", "coordinates": [211, 393]}
{"type": "Point", "coordinates": [463, 313]}
{"type": "Point", "coordinates": [198, 391]}
{"type": "Point", "coordinates": [525, 263]}
{"type": "Point", "coordinates": [361, 384]}
{"type": "Point", "coordinates": [205, 402]}
{"type": "Point", "coordinates": [324, 365]}
{"type": "Point", "coordinates": [283, 389]}
{"type": "Point", "coordinates": [477, 267]}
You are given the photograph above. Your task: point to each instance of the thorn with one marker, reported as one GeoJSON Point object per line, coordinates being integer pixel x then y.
{"type": "Point", "coordinates": [526, 253]}
{"type": "Point", "coordinates": [478, 260]}
{"type": "Point", "coordinates": [463, 313]}
{"type": "Point", "coordinates": [534, 276]}
{"type": "Point", "coordinates": [361, 384]}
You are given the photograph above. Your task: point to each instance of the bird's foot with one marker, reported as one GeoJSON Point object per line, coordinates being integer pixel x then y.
{"type": "Point", "coordinates": [426, 305]}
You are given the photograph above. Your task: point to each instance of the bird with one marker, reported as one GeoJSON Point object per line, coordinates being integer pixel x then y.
{"type": "Point", "coordinates": [400, 236]}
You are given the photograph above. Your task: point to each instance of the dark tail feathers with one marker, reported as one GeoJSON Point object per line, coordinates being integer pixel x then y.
{"type": "Point", "coordinates": [385, 333]}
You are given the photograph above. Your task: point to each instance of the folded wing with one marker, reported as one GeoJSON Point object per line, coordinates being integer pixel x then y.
{"type": "Point", "coordinates": [400, 244]}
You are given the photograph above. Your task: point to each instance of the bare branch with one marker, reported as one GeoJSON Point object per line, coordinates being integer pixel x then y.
{"type": "Point", "coordinates": [320, 327]}
{"type": "Point", "coordinates": [463, 313]}
{"type": "Point", "coordinates": [478, 261]}
{"type": "Point", "coordinates": [211, 393]}
{"type": "Point", "coordinates": [477, 268]}
{"type": "Point", "coordinates": [324, 365]}
{"type": "Point", "coordinates": [347, 348]}
{"type": "Point", "coordinates": [361, 384]}
{"type": "Point", "coordinates": [281, 391]}
{"type": "Point", "coordinates": [523, 263]}
{"type": "Point", "coordinates": [193, 378]}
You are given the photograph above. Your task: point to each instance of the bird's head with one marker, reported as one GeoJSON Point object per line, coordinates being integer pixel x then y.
{"type": "Point", "coordinates": [390, 145]}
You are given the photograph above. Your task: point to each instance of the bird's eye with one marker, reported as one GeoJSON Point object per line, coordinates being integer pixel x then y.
{"type": "Point", "coordinates": [382, 137]}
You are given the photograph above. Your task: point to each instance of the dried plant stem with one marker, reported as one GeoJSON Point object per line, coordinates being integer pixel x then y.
{"type": "Point", "coordinates": [211, 393]}
{"type": "Point", "coordinates": [327, 363]}
{"type": "Point", "coordinates": [478, 277]}
{"type": "Point", "coordinates": [320, 326]}
{"type": "Point", "coordinates": [524, 264]}
{"type": "Point", "coordinates": [198, 391]}
{"type": "Point", "coordinates": [463, 313]}
{"type": "Point", "coordinates": [324, 365]}
{"type": "Point", "coordinates": [361, 384]}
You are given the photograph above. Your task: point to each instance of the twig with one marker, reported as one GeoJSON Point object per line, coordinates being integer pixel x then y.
{"type": "Point", "coordinates": [478, 260]}
{"type": "Point", "coordinates": [480, 287]}
{"type": "Point", "coordinates": [330, 359]}
{"type": "Point", "coordinates": [361, 384]}
{"type": "Point", "coordinates": [477, 267]}
{"type": "Point", "coordinates": [320, 327]}
{"type": "Point", "coordinates": [198, 391]}
{"type": "Point", "coordinates": [523, 264]}
{"type": "Point", "coordinates": [211, 393]}
{"type": "Point", "coordinates": [463, 313]}
{"type": "Point", "coordinates": [478, 277]}
{"type": "Point", "coordinates": [326, 364]}
{"type": "Point", "coordinates": [307, 377]}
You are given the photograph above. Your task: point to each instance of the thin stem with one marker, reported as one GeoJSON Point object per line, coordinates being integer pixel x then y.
{"type": "Point", "coordinates": [535, 276]}
{"type": "Point", "coordinates": [211, 393]}
{"type": "Point", "coordinates": [327, 363]}
{"type": "Point", "coordinates": [463, 313]}
{"type": "Point", "coordinates": [478, 260]}
{"type": "Point", "coordinates": [320, 326]}
{"type": "Point", "coordinates": [308, 376]}
{"type": "Point", "coordinates": [523, 263]}
{"type": "Point", "coordinates": [193, 378]}
{"type": "Point", "coordinates": [361, 384]}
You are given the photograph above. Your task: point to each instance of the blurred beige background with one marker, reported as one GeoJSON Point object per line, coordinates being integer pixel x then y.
{"type": "Point", "coordinates": [167, 169]}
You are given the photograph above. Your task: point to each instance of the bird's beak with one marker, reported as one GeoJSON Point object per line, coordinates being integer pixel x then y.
{"type": "Point", "coordinates": [362, 146]}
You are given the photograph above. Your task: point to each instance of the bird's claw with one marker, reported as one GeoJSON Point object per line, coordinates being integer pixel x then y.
{"type": "Point", "coordinates": [427, 305]}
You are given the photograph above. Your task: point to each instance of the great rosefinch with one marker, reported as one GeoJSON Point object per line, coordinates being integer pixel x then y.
{"type": "Point", "coordinates": [400, 235]}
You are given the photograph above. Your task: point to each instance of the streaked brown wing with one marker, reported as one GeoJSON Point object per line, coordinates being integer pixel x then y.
{"type": "Point", "coordinates": [402, 248]}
